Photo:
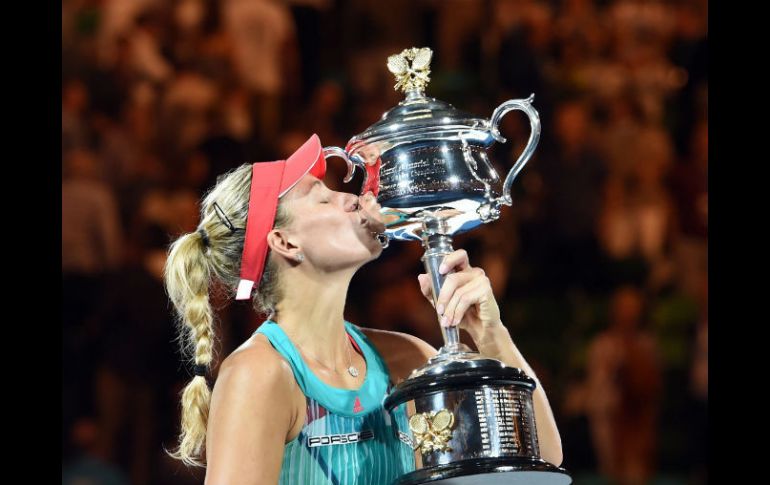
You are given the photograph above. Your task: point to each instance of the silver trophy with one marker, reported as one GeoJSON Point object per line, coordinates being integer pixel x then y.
{"type": "Point", "coordinates": [470, 418]}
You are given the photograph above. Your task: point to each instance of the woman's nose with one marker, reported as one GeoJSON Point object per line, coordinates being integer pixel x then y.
{"type": "Point", "coordinates": [368, 202]}
{"type": "Point", "coordinates": [352, 203]}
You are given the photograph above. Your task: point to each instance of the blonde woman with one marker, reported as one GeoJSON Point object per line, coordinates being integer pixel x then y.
{"type": "Point", "coordinates": [300, 402]}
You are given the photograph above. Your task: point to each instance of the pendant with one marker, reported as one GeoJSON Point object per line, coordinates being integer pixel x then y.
{"type": "Point", "coordinates": [353, 371]}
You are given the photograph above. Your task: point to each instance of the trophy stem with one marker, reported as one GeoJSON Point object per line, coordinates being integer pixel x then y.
{"type": "Point", "coordinates": [438, 244]}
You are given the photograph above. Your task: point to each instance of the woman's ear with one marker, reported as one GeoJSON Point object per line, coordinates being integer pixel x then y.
{"type": "Point", "coordinates": [281, 242]}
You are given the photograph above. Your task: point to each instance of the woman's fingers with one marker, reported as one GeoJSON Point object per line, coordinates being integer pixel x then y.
{"type": "Point", "coordinates": [425, 287]}
{"type": "Point", "coordinates": [451, 284]}
{"type": "Point", "coordinates": [454, 261]}
{"type": "Point", "coordinates": [475, 292]}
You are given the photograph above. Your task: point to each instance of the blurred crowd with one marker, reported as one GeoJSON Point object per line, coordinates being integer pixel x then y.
{"type": "Point", "coordinates": [599, 267]}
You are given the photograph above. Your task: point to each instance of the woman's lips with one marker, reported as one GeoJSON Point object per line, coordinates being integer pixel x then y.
{"type": "Point", "coordinates": [376, 226]}
{"type": "Point", "coordinates": [372, 223]}
{"type": "Point", "coordinates": [370, 216]}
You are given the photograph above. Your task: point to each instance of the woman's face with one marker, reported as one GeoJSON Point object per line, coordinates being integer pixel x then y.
{"type": "Point", "coordinates": [334, 230]}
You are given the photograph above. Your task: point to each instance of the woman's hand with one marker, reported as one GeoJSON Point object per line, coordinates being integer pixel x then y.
{"type": "Point", "coordinates": [466, 299]}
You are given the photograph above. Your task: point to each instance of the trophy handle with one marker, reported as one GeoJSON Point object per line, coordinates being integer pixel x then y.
{"type": "Point", "coordinates": [339, 152]}
{"type": "Point", "coordinates": [524, 105]}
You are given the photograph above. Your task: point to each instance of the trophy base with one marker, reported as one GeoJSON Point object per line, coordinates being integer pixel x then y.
{"type": "Point", "coordinates": [489, 471]}
{"type": "Point", "coordinates": [488, 410]}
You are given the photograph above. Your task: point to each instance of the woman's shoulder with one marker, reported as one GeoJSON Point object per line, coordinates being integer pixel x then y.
{"type": "Point", "coordinates": [256, 363]}
{"type": "Point", "coordinates": [254, 406]}
{"type": "Point", "coordinates": [402, 352]}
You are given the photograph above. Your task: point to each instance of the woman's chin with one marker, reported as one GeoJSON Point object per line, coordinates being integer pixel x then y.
{"type": "Point", "coordinates": [375, 248]}
{"type": "Point", "coordinates": [377, 251]}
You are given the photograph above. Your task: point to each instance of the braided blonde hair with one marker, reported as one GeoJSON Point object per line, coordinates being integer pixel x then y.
{"type": "Point", "coordinates": [191, 269]}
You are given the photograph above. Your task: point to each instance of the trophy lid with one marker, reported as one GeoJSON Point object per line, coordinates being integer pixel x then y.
{"type": "Point", "coordinates": [418, 114]}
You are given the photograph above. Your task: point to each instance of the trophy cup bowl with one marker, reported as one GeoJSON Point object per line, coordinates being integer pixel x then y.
{"type": "Point", "coordinates": [470, 418]}
{"type": "Point", "coordinates": [425, 155]}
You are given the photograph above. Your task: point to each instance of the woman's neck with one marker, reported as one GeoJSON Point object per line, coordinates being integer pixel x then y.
{"type": "Point", "coordinates": [311, 313]}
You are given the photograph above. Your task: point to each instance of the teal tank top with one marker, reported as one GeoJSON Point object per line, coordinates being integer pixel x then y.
{"type": "Point", "coordinates": [348, 438]}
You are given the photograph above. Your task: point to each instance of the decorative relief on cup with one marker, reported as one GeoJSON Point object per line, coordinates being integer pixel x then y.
{"type": "Point", "coordinates": [432, 431]}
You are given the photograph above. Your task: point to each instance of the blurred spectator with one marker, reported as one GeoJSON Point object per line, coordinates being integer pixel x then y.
{"type": "Point", "coordinates": [264, 54]}
{"type": "Point", "coordinates": [619, 234]}
{"type": "Point", "coordinates": [580, 19]}
{"type": "Point", "coordinates": [637, 217]}
{"type": "Point", "coordinates": [400, 306]}
{"type": "Point", "coordinates": [138, 115]}
{"type": "Point", "coordinates": [690, 190]}
{"type": "Point", "coordinates": [525, 44]}
{"type": "Point", "coordinates": [87, 466]}
{"type": "Point", "coordinates": [498, 247]}
{"type": "Point", "coordinates": [573, 174]}
{"type": "Point", "coordinates": [183, 206]}
{"type": "Point", "coordinates": [194, 172]}
{"type": "Point", "coordinates": [459, 22]}
{"type": "Point", "coordinates": [575, 426]}
{"type": "Point", "coordinates": [308, 16]}
{"type": "Point", "coordinates": [689, 50]}
{"type": "Point", "coordinates": [235, 118]}
{"type": "Point", "coordinates": [700, 361]}
{"type": "Point", "coordinates": [624, 384]}
{"type": "Point", "coordinates": [91, 234]}
{"type": "Point", "coordinates": [187, 19]}
{"type": "Point", "coordinates": [74, 126]}
{"type": "Point", "coordinates": [185, 113]}
{"type": "Point", "coordinates": [118, 151]}
{"type": "Point", "coordinates": [621, 130]}
{"type": "Point", "coordinates": [325, 114]}
{"type": "Point", "coordinates": [91, 248]}
{"type": "Point", "coordinates": [137, 361]}
{"type": "Point", "coordinates": [223, 150]}
{"type": "Point", "coordinates": [699, 392]}
{"type": "Point", "coordinates": [116, 19]}
{"type": "Point", "coordinates": [146, 57]}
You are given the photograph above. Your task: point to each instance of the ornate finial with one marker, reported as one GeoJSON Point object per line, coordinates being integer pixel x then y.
{"type": "Point", "coordinates": [411, 68]}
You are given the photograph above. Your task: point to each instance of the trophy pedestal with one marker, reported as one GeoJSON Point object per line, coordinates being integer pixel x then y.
{"type": "Point", "coordinates": [471, 421]}
{"type": "Point", "coordinates": [490, 471]}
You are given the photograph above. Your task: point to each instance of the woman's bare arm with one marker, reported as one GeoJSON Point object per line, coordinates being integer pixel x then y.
{"type": "Point", "coordinates": [499, 345]}
{"type": "Point", "coordinates": [251, 414]}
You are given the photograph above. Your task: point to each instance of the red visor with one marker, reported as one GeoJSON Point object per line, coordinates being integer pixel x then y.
{"type": "Point", "coordinates": [269, 182]}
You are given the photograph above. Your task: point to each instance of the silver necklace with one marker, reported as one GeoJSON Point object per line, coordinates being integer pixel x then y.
{"type": "Point", "coordinates": [352, 370]}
